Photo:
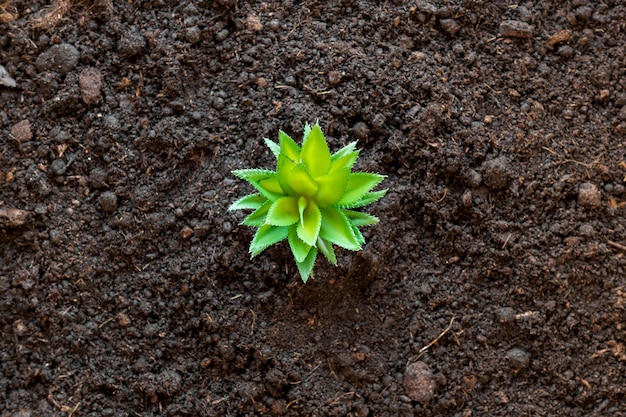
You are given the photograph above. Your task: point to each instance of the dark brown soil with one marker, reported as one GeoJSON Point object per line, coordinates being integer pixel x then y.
{"type": "Point", "coordinates": [494, 285]}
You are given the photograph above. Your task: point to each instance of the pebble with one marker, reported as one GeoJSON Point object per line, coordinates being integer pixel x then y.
{"type": "Point", "coordinates": [516, 29]}
{"type": "Point", "coordinates": [419, 382]}
{"type": "Point", "coordinates": [589, 195]}
{"type": "Point", "coordinates": [450, 26]}
{"type": "Point", "coordinates": [5, 78]}
{"type": "Point", "coordinates": [61, 58]}
{"type": "Point", "coordinates": [90, 83]}
{"type": "Point", "coordinates": [98, 178]}
{"type": "Point", "coordinates": [334, 77]}
{"type": "Point", "coordinates": [361, 130]}
{"type": "Point", "coordinates": [506, 315]}
{"type": "Point", "coordinates": [58, 167]}
{"type": "Point", "coordinates": [10, 217]}
{"type": "Point", "coordinates": [496, 172]}
{"type": "Point", "coordinates": [108, 202]}
{"type": "Point", "coordinates": [22, 131]}
{"type": "Point", "coordinates": [518, 358]}
{"type": "Point", "coordinates": [193, 35]}
{"type": "Point", "coordinates": [132, 44]}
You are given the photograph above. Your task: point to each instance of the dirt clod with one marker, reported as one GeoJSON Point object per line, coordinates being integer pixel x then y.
{"type": "Point", "coordinates": [90, 82]}
{"type": "Point", "coordinates": [61, 58]}
{"type": "Point", "coordinates": [496, 173]}
{"type": "Point", "coordinates": [419, 382]}
{"type": "Point", "coordinates": [516, 29]}
{"type": "Point", "coordinates": [518, 358]}
{"type": "Point", "coordinates": [22, 131]}
{"type": "Point", "coordinates": [589, 195]}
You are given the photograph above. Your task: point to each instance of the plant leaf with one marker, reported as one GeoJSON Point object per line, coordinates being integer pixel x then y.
{"type": "Point", "coordinates": [283, 212]}
{"type": "Point", "coordinates": [306, 132]}
{"type": "Point", "coordinates": [327, 249]}
{"type": "Point", "coordinates": [299, 249]}
{"type": "Point", "coordinates": [346, 161]}
{"type": "Point", "coordinates": [289, 147]}
{"type": "Point", "coordinates": [357, 234]}
{"type": "Point", "coordinates": [264, 180]}
{"type": "Point", "coordinates": [336, 228]}
{"type": "Point", "coordinates": [266, 236]}
{"type": "Point", "coordinates": [310, 223]}
{"type": "Point", "coordinates": [274, 147]}
{"type": "Point", "coordinates": [368, 198]}
{"type": "Point", "coordinates": [346, 150]}
{"type": "Point", "coordinates": [306, 267]}
{"type": "Point", "coordinates": [284, 166]}
{"type": "Point", "coordinates": [331, 187]}
{"type": "Point", "coordinates": [301, 182]}
{"type": "Point", "coordinates": [250, 201]}
{"type": "Point", "coordinates": [315, 154]}
{"type": "Point", "coordinates": [359, 183]}
{"type": "Point", "coordinates": [360, 219]}
{"type": "Point", "coordinates": [258, 216]}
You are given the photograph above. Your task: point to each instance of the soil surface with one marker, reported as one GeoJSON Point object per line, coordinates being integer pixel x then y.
{"type": "Point", "coordinates": [494, 284]}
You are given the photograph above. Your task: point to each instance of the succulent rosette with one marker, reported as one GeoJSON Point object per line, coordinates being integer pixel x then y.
{"type": "Point", "coordinates": [310, 199]}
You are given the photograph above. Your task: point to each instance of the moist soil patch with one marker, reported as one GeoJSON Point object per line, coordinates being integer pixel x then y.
{"type": "Point", "coordinates": [494, 284]}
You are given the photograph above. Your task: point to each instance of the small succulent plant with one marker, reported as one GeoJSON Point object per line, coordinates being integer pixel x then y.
{"type": "Point", "coordinates": [310, 199]}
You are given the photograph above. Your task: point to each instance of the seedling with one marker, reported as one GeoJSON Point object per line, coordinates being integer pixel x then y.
{"type": "Point", "coordinates": [310, 199]}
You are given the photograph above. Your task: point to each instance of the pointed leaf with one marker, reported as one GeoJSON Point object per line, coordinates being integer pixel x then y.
{"type": "Point", "coordinates": [289, 147]}
{"type": "Point", "coordinates": [299, 249]}
{"type": "Point", "coordinates": [251, 201]}
{"type": "Point", "coordinates": [301, 182]}
{"type": "Point", "coordinates": [359, 183]}
{"type": "Point", "coordinates": [346, 161]}
{"type": "Point", "coordinates": [284, 166]}
{"type": "Point", "coordinates": [258, 217]}
{"type": "Point", "coordinates": [315, 154]}
{"type": "Point", "coordinates": [332, 186]}
{"type": "Point", "coordinates": [274, 147]}
{"type": "Point", "coordinates": [283, 212]}
{"type": "Point", "coordinates": [360, 219]}
{"type": "Point", "coordinates": [307, 131]}
{"type": "Point", "coordinates": [264, 180]}
{"type": "Point", "coordinates": [266, 236]}
{"type": "Point", "coordinates": [368, 198]}
{"type": "Point", "coordinates": [327, 249]}
{"type": "Point", "coordinates": [357, 234]}
{"type": "Point", "coordinates": [306, 267]}
{"type": "Point", "coordinates": [337, 229]}
{"type": "Point", "coordinates": [309, 226]}
{"type": "Point", "coordinates": [346, 150]}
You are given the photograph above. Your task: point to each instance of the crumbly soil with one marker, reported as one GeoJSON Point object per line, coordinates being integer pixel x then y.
{"type": "Point", "coordinates": [494, 284]}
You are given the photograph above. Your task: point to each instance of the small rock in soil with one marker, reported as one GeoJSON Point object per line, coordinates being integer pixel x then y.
{"type": "Point", "coordinates": [193, 35]}
{"type": "Point", "coordinates": [90, 82]}
{"type": "Point", "coordinates": [5, 78]}
{"type": "Point", "coordinates": [98, 178]}
{"type": "Point", "coordinates": [10, 217]}
{"type": "Point", "coordinates": [516, 29]}
{"type": "Point", "coordinates": [58, 167]}
{"type": "Point", "coordinates": [589, 195]}
{"type": "Point", "coordinates": [361, 130]}
{"type": "Point", "coordinates": [519, 359]}
{"type": "Point", "coordinates": [132, 44]}
{"type": "Point", "coordinates": [450, 26]}
{"type": "Point", "coordinates": [108, 202]}
{"type": "Point", "coordinates": [496, 172]}
{"type": "Point", "coordinates": [419, 383]}
{"type": "Point", "coordinates": [22, 131]}
{"type": "Point", "coordinates": [61, 58]}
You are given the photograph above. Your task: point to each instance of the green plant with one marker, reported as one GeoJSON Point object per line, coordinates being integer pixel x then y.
{"type": "Point", "coordinates": [309, 199]}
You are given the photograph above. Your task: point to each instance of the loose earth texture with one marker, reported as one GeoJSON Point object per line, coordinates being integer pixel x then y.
{"type": "Point", "coordinates": [494, 285]}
